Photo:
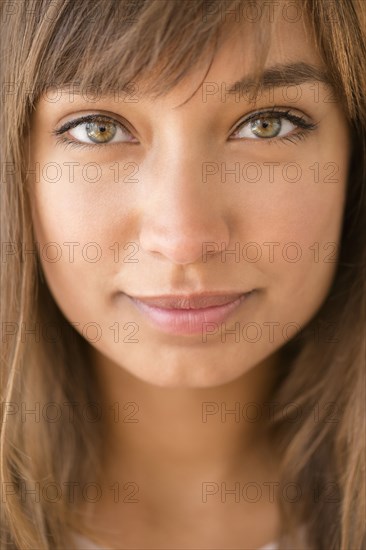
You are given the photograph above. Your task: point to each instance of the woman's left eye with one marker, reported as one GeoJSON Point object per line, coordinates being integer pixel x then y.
{"type": "Point", "coordinates": [262, 126]}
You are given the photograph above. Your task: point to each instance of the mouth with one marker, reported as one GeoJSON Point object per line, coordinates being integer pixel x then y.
{"type": "Point", "coordinates": [190, 313]}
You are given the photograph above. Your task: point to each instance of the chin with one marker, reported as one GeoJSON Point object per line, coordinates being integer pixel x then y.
{"type": "Point", "coordinates": [180, 373]}
{"type": "Point", "coordinates": [172, 367]}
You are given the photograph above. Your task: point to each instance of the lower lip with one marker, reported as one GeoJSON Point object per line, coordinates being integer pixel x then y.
{"type": "Point", "coordinates": [187, 321]}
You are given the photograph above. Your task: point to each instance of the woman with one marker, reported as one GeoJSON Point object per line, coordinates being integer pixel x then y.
{"type": "Point", "coordinates": [183, 274]}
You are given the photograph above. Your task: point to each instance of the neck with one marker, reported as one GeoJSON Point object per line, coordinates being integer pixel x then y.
{"type": "Point", "coordinates": [201, 432]}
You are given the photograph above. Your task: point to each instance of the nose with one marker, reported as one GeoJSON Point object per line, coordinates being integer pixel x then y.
{"type": "Point", "coordinates": [182, 213]}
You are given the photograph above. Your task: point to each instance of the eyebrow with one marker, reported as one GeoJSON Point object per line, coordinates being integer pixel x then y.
{"type": "Point", "coordinates": [282, 75]}
{"type": "Point", "coordinates": [277, 76]}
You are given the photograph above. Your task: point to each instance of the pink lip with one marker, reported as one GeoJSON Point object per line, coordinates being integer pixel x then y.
{"type": "Point", "coordinates": [186, 314]}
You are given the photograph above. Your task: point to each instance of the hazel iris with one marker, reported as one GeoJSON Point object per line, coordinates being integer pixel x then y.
{"type": "Point", "coordinates": [266, 127]}
{"type": "Point", "coordinates": [100, 131]}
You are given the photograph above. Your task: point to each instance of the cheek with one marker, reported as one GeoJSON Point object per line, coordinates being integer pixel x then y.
{"type": "Point", "coordinates": [295, 226]}
{"type": "Point", "coordinates": [77, 219]}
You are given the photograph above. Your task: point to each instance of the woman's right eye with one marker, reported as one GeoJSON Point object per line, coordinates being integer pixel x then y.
{"type": "Point", "coordinates": [95, 130]}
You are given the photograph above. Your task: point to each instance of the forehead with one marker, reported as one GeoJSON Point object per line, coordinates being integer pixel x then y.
{"type": "Point", "coordinates": [290, 42]}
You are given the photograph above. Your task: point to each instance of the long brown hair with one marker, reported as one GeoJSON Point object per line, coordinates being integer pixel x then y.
{"type": "Point", "coordinates": [111, 44]}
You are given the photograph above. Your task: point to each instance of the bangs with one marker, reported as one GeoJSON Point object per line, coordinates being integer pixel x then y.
{"type": "Point", "coordinates": [110, 47]}
{"type": "Point", "coordinates": [120, 45]}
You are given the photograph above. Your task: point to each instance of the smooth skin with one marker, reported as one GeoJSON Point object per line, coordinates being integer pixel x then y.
{"type": "Point", "coordinates": [169, 213]}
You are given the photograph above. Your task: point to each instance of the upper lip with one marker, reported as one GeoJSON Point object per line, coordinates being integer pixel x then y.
{"type": "Point", "coordinates": [190, 301]}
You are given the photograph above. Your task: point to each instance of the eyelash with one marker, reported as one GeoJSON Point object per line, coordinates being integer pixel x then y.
{"type": "Point", "coordinates": [299, 121]}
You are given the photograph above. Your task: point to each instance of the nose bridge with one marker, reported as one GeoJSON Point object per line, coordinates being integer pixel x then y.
{"type": "Point", "coordinates": [179, 163]}
{"type": "Point", "coordinates": [181, 145]}
{"type": "Point", "coordinates": [181, 213]}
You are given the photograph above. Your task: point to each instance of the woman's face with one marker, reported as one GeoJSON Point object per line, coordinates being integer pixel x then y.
{"type": "Point", "coordinates": [189, 199]}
